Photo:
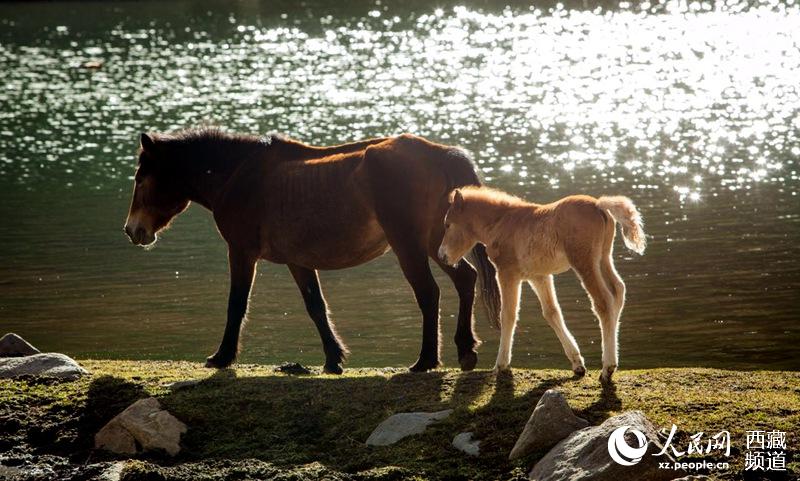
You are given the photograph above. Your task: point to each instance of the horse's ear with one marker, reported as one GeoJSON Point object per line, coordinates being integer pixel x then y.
{"type": "Point", "coordinates": [147, 143]}
{"type": "Point", "coordinates": [458, 201]}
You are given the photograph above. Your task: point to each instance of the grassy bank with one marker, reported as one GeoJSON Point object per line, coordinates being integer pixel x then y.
{"type": "Point", "coordinates": [250, 422]}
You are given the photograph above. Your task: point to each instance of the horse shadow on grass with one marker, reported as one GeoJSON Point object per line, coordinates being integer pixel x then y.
{"type": "Point", "coordinates": [607, 402]}
{"type": "Point", "coordinates": [498, 421]}
{"type": "Point", "coordinates": [296, 420]}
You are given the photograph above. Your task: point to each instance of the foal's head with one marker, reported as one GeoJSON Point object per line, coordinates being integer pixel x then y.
{"type": "Point", "coordinates": [458, 235]}
{"type": "Point", "coordinates": [158, 194]}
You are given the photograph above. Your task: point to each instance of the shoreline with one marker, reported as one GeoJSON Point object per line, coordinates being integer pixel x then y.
{"type": "Point", "coordinates": [314, 426]}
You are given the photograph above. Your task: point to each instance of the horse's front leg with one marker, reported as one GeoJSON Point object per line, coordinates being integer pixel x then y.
{"type": "Point", "coordinates": [308, 282]}
{"type": "Point", "coordinates": [509, 311]}
{"type": "Point", "coordinates": [242, 270]}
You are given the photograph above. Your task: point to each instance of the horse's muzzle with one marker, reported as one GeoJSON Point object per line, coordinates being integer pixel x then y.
{"type": "Point", "coordinates": [443, 254]}
{"type": "Point", "coordinates": [139, 236]}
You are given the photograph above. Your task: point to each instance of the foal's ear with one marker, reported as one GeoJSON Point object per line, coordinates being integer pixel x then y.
{"type": "Point", "coordinates": [147, 143]}
{"type": "Point", "coordinates": [458, 201]}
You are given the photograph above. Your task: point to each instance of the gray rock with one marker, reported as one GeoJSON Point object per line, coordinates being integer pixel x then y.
{"type": "Point", "coordinates": [401, 425]}
{"type": "Point", "coordinates": [464, 442]}
{"type": "Point", "coordinates": [51, 364]}
{"type": "Point", "coordinates": [112, 472]}
{"type": "Point", "coordinates": [144, 423]}
{"type": "Point", "coordinates": [551, 421]}
{"type": "Point", "coordinates": [694, 477]}
{"type": "Point", "coordinates": [585, 454]}
{"type": "Point", "coordinates": [116, 438]}
{"type": "Point", "coordinates": [11, 473]}
{"type": "Point", "coordinates": [12, 345]}
{"type": "Point", "coordinates": [174, 386]}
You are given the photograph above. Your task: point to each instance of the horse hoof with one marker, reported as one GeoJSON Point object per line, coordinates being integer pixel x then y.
{"type": "Point", "coordinates": [605, 379]}
{"type": "Point", "coordinates": [468, 361]}
{"type": "Point", "coordinates": [332, 369]}
{"type": "Point", "coordinates": [498, 370]}
{"type": "Point", "coordinates": [218, 362]}
{"type": "Point", "coordinates": [606, 373]}
{"type": "Point", "coordinates": [579, 371]}
{"type": "Point", "coordinates": [424, 366]}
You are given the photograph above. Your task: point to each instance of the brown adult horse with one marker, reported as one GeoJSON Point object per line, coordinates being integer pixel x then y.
{"type": "Point", "coordinates": [317, 208]}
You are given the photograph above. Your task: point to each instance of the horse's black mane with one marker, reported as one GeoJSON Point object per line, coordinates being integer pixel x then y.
{"type": "Point", "coordinates": [210, 136]}
{"type": "Point", "coordinates": [209, 144]}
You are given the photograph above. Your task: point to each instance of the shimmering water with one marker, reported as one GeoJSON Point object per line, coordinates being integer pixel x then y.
{"type": "Point", "coordinates": [689, 109]}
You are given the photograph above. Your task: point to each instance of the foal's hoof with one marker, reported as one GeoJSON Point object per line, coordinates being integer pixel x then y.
{"type": "Point", "coordinates": [218, 361]}
{"type": "Point", "coordinates": [468, 361]}
{"type": "Point", "coordinates": [424, 365]}
{"type": "Point", "coordinates": [500, 370]}
{"type": "Point", "coordinates": [332, 369]}
{"type": "Point", "coordinates": [605, 375]}
{"type": "Point", "coordinates": [579, 371]}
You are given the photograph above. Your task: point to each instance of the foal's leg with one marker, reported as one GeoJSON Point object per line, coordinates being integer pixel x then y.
{"type": "Point", "coordinates": [546, 292]}
{"type": "Point", "coordinates": [308, 282]}
{"type": "Point", "coordinates": [617, 289]}
{"type": "Point", "coordinates": [509, 311]}
{"type": "Point", "coordinates": [614, 281]}
{"type": "Point", "coordinates": [603, 304]}
{"type": "Point", "coordinates": [464, 278]}
{"type": "Point", "coordinates": [242, 270]}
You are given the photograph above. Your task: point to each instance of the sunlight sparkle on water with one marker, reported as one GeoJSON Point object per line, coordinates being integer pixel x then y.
{"type": "Point", "coordinates": [627, 95]}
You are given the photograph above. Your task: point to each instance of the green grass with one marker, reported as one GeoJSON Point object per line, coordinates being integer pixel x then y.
{"type": "Point", "coordinates": [250, 422]}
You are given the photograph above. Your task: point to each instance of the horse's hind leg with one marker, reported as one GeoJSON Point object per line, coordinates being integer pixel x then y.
{"type": "Point", "coordinates": [414, 263]}
{"type": "Point", "coordinates": [308, 282]}
{"type": "Point", "coordinates": [464, 278]}
{"type": "Point", "coordinates": [612, 278]}
{"type": "Point", "coordinates": [546, 292]}
{"type": "Point", "coordinates": [604, 306]}
{"type": "Point", "coordinates": [418, 273]}
{"type": "Point", "coordinates": [616, 287]}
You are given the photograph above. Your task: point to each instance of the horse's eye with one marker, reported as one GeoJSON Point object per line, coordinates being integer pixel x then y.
{"type": "Point", "coordinates": [447, 225]}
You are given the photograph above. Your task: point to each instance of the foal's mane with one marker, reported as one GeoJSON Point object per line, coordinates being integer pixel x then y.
{"type": "Point", "coordinates": [488, 195]}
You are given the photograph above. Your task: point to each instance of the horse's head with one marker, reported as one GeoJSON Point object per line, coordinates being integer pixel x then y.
{"type": "Point", "coordinates": [158, 193]}
{"type": "Point", "coordinates": [458, 236]}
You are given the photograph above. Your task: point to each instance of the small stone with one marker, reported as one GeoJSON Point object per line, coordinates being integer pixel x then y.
{"type": "Point", "coordinates": [402, 425]}
{"type": "Point", "coordinates": [12, 345]}
{"type": "Point", "coordinates": [551, 421]}
{"type": "Point", "coordinates": [464, 442]}
{"type": "Point", "coordinates": [113, 472]}
{"type": "Point", "coordinates": [293, 368]}
{"type": "Point", "coordinates": [51, 364]}
{"type": "Point", "coordinates": [146, 423]}
{"type": "Point", "coordinates": [174, 386]}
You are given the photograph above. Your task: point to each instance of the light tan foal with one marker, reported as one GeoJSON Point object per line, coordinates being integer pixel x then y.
{"type": "Point", "coordinates": [531, 242]}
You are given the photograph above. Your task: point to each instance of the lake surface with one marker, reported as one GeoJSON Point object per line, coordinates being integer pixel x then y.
{"type": "Point", "coordinates": [692, 110]}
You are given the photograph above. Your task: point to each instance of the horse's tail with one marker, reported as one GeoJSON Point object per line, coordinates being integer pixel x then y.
{"type": "Point", "coordinates": [461, 172]}
{"type": "Point", "coordinates": [488, 289]}
{"type": "Point", "coordinates": [623, 211]}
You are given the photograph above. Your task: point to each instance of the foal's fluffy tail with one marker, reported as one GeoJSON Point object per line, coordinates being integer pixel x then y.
{"type": "Point", "coordinates": [623, 211]}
